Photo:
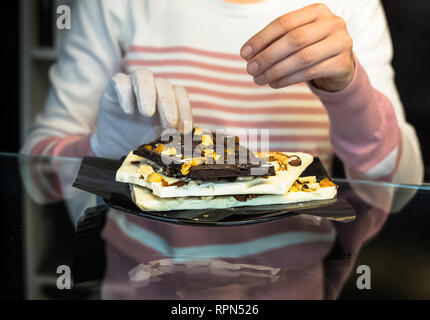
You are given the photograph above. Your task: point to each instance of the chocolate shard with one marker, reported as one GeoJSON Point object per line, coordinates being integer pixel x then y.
{"type": "Point", "coordinates": [233, 161]}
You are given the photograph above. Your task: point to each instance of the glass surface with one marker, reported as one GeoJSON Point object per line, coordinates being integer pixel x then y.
{"type": "Point", "coordinates": [118, 255]}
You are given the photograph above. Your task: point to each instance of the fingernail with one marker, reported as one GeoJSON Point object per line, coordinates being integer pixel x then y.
{"type": "Point", "coordinates": [259, 79]}
{"type": "Point", "coordinates": [246, 51]}
{"type": "Point", "coordinates": [253, 67]}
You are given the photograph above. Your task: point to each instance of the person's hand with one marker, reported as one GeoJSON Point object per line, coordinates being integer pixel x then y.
{"type": "Point", "coordinates": [310, 44]}
{"type": "Point", "coordinates": [134, 109]}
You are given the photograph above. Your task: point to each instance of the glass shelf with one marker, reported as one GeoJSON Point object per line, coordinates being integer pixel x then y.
{"type": "Point", "coordinates": [113, 254]}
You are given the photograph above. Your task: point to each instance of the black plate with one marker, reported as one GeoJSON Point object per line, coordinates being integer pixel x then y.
{"type": "Point", "coordinates": [97, 176]}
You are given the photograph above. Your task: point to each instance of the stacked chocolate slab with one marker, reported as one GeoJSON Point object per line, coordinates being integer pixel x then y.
{"type": "Point", "coordinates": [204, 170]}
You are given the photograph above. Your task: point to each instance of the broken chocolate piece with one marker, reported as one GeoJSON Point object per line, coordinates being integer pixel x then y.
{"type": "Point", "coordinates": [208, 164]}
{"type": "Point", "coordinates": [179, 183]}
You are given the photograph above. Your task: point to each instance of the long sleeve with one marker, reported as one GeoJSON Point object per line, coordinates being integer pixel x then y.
{"type": "Point", "coordinates": [90, 56]}
{"type": "Point", "coordinates": [368, 127]}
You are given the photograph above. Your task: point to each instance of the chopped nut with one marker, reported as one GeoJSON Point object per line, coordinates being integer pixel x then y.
{"type": "Point", "coordinates": [169, 151]}
{"type": "Point", "coordinates": [198, 131]}
{"type": "Point", "coordinates": [210, 153]}
{"type": "Point", "coordinates": [145, 170]}
{"type": "Point", "coordinates": [207, 140]}
{"type": "Point", "coordinates": [164, 183]}
{"type": "Point", "coordinates": [141, 177]}
{"type": "Point", "coordinates": [310, 179]}
{"type": "Point", "coordinates": [280, 158]}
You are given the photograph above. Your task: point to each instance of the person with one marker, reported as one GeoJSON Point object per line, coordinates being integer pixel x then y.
{"type": "Point", "coordinates": [318, 75]}
{"type": "Point", "coordinates": [327, 65]}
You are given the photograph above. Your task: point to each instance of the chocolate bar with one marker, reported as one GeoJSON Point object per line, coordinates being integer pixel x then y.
{"type": "Point", "coordinates": [199, 159]}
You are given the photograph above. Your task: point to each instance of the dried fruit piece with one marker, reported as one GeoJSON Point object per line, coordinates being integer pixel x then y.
{"type": "Point", "coordinates": [280, 158]}
{"type": "Point", "coordinates": [185, 169]}
{"type": "Point", "coordinates": [154, 177]}
{"type": "Point", "coordinates": [294, 161]}
{"type": "Point", "coordinates": [295, 187]}
{"type": "Point", "coordinates": [135, 162]}
{"type": "Point", "coordinates": [160, 148]}
{"type": "Point", "coordinates": [325, 183]}
{"type": "Point", "coordinates": [148, 146]}
{"type": "Point", "coordinates": [164, 183]}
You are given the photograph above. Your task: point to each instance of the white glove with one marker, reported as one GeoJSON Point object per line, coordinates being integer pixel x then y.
{"type": "Point", "coordinates": [127, 114]}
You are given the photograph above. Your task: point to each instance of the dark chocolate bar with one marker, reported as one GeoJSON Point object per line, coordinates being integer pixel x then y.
{"type": "Point", "coordinates": [199, 159]}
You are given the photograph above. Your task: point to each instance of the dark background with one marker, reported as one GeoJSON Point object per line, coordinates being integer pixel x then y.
{"type": "Point", "coordinates": [410, 26]}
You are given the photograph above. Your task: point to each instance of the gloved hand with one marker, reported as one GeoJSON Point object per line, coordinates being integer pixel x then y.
{"type": "Point", "coordinates": [127, 114]}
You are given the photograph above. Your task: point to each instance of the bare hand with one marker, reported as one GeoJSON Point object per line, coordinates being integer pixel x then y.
{"type": "Point", "coordinates": [309, 44]}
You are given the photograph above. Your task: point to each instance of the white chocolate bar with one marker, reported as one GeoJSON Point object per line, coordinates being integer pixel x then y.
{"type": "Point", "coordinates": [278, 184]}
{"type": "Point", "coordinates": [146, 201]}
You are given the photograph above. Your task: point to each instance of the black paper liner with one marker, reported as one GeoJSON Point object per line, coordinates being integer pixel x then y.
{"type": "Point", "coordinates": [97, 176]}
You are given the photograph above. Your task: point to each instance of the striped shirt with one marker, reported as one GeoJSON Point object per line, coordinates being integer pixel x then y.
{"type": "Point", "coordinates": [223, 96]}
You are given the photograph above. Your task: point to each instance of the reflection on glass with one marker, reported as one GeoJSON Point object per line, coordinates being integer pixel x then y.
{"type": "Point", "coordinates": [298, 257]}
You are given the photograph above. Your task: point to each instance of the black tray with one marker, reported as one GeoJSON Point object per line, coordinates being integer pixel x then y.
{"type": "Point", "coordinates": [97, 176]}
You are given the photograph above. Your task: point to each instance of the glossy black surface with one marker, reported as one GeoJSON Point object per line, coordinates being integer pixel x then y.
{"type": "Point", "coordinates": [390, 235]}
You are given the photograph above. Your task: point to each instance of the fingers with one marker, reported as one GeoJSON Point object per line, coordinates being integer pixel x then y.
{"type": "Point", "coordinates": [142, 90]}
{"type": "Point", "coordinates": [288, 44]}
{"type": "Point", "coordinates": [301, 60]}
{"type": "Point", "coordinates": [143, 84]}
{"type": "Point", "coordinates": [279, 27]}
{"type": "Point", "coordinates": [324, 69]}
{"type": "Point", "coordinates": [166, 103]}
{"type": "Point", "coordinates": [184, 109]}
{"type": "Point", "coordinates": [119, 89]}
